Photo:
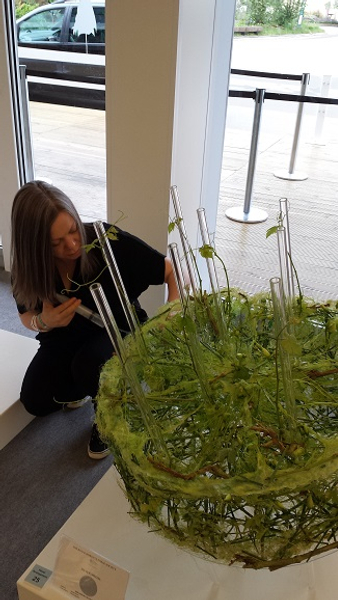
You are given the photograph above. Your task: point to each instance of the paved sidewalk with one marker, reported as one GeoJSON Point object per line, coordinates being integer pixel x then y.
{"type": "Point", "coordinates": [69, 148]}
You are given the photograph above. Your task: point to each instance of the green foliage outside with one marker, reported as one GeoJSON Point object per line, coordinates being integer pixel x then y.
{"type": "Point", "coordinates": [259, 13]}
{"type": "Point", "coordinates": [21, 8]}
{"type": "Point", "coordinates": [287, 13]}
{"type": "Point", "coordinates": [276, 17]}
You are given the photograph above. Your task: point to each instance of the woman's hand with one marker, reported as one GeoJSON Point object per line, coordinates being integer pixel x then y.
{"type": "Point", "coordinates": [51, 316]}
{"type": "Point", "coordinates": [61, 315]}
{"type": "Point", "coordinates": [170, 280]}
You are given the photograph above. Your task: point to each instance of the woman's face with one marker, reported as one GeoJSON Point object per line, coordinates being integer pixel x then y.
{"type": "Point", "coordinates": [65, 237]}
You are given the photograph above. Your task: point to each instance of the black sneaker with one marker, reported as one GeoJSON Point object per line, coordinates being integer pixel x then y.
{"type": "Point", "coordinates": [96, 448]}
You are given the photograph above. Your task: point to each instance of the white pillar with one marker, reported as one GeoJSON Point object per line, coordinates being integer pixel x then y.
{"type": "Point", "coordinates": [9, 175]}
{"type": "Point", "coordinates": [140, 92]}
{"type": "Point", "coordinates": [167, 71]}
{"type": "Point", "coordinates": [203, 71]}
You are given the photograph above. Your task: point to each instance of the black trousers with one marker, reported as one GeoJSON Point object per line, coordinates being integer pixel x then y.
{"type": "Point", "coordinates": [64, 373]}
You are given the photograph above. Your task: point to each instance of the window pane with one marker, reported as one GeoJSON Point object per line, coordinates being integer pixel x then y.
{"type": "Point", "coordinates": [43, 27]}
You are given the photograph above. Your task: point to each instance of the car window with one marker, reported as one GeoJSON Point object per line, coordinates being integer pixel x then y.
{"type": "Point", "coordinates": [42, 27]}
{"type": "Point", "coordinates": [98, 34]}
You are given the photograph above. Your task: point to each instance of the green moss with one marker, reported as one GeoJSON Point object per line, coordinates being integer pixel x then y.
{"type": "Point", "coordinates": [242, 475]}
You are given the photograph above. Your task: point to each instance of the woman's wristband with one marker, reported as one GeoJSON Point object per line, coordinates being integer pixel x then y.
{"type": "Point", "coordinates": [41, 323]}
{"type": "Point", "coordinates": [38, 324]}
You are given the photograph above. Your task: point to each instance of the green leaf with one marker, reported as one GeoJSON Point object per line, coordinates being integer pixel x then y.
{"type": "Point", "coordinates": [111, 233]}
{"type": "Point", "coordinates": [206, 251]}
{"type": "Point", "coordinates": [271, 231]}
{"type": "Point", "coordinates": [291, 345]}
{"type": "Point", "coordinates": [89, 247]}
{"type": "Point", "coordinates": [188, 324]}
{"type": "Point", "coordinates": [174, 224]}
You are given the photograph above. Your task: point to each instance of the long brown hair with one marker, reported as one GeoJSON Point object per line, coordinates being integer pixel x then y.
{"type": "Point", "coordinates": [35, 208]}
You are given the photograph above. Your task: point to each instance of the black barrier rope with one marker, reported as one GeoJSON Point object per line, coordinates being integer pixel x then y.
{"type": "Point", "coordinates": [284, 97]}
{"type": "Point", "coordinates": [232, 93]}
{"type": "Point", "coordinates": [265, 74]}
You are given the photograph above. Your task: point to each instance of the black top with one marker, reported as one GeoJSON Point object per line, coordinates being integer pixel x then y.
{"type": "Point", "coordinates": [140, 266]}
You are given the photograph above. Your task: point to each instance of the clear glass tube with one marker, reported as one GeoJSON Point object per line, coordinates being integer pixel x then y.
{"type": "Point", "coordinates": [127, 366]}
{"type": "Point", "coordinates": [192, 332]}
{"type": "Point", "coordinates": [284, 262]}
{"type": "Point", "coordinates": [116, 277]}
{"type": "Point", "coordinates": [284, 209]}
{"type": "Point", "coordinates": [183, 236]}
{"type": "Point", "coordinates": [108, 319]}
{"type": "Point", "coordinates": [175, 259]}
{"type": "Point", "coordinates": [280, 321]}
{"type": "Point", "coordinates": [206, 242]}
{"type": "Point", "coordinates": [278, 301]}
{"type": "Point", "coordinates": [212, 274]}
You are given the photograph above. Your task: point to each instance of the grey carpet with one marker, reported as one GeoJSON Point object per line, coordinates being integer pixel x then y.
{"type": "Point", "coordinates": [9, 320]}
{"type": "Point", "coordinates": [45, 474]}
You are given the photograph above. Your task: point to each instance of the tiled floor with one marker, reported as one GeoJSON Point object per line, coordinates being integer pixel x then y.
{"type": "Point", "coordinates": [252, 259]}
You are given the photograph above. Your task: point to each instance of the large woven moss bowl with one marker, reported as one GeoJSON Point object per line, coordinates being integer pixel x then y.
{"type": "Point", "coordinates": [217, 451]}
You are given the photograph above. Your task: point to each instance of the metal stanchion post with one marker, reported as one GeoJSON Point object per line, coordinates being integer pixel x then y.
{"type": "Point", "coordinates": [290, 174]}
{"type": "Point", "coordinates": [27, 135]}
{"type": "Point", "coordinates": [247, 214]}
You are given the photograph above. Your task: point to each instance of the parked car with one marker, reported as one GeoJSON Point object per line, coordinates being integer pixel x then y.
{"type": "Point", "coordinates": [50, 46]}
{"type": "Point", "coordinates": [52, 27]}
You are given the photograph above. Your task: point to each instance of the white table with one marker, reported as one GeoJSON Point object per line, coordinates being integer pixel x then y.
{"type": "Point", "coordinates": [15, 355]}
{"type": "Point", "coordinates": [161, 571]}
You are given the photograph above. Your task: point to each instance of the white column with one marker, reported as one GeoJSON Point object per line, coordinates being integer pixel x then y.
{"type": "Point", "coordinates": [140, 92]}
{"type": "Point", "coordinates": [204, 57]}
{"type": "Point", "coordinates": [167, 71]}
{"type": "Point", "coordinates": [9, 175]}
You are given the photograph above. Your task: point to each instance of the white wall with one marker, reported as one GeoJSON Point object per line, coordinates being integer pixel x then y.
{"type": "Point", "coordinates": [140, 92]}
{"type": "Point", "coordinates": [167, 72]}
{"type": "Point", "coordinates": [204, 57]}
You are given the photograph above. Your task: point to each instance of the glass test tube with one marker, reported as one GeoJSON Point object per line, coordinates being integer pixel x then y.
{"type": "Point", "coordinates": [128, 366]}
{"type": "Point", "coordinates": [116, 277]}
{"type": "Point", "coordinates": [184, 239]}
{"type": "Point", "coordinates": [206, 242]}
{"type": "Point", "coordinates": [175, 259]}
{"type": "Point", "coordinates": [212, 273]}
{"type": "Point", "coordinates": [284, 208]}
{"type": "Point", "coordinates": [284, 263]}
{"type": "Point", "coordinates": [280, 319]}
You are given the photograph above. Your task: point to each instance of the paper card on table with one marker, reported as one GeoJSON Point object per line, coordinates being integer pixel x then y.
{"type": "Point", "coordinates": [83, 574]}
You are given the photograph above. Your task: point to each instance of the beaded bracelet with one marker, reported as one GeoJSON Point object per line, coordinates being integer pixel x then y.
{"type": "Point", "coordinates": [38, 324]}
{"type": "Point", "coordinates": [39, 321]}
{"type": "Point", "coordinates": [34, 324]}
